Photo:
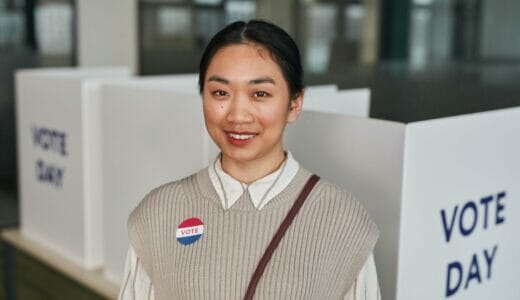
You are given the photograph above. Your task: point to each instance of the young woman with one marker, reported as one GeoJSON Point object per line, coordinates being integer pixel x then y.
{"type": "Point", "coordinates": [202, 237]}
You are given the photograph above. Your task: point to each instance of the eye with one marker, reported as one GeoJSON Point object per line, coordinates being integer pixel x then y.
{"type": "Point", "coordinates": [219, 93]}
{"type": "Point", "coordinates": [261, 94]}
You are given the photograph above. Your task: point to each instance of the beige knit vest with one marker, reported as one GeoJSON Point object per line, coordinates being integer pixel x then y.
{"type": "Point", "coordinates": [318, 258]}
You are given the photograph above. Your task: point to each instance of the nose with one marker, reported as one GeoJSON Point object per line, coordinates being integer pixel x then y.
{"type": "Point", "coordinates": [240, 110]}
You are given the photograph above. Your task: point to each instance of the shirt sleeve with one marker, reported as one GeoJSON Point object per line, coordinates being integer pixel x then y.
{"type": "Point", "coordinates": [366, 286]}
{"type": "Point", "coordinates": [136, 284]}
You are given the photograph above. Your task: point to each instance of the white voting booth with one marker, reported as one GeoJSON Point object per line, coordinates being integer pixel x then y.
{"type": "Point", "coordinates": [327, 98]}
{"type": "Point", "coordinates": [444, 193]}
{"type": "Point", "coordinates": [59, 166]}
{"type": "Point", "coordinates": [154, 133]}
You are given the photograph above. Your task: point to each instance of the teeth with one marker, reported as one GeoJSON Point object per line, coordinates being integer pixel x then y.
{"type": "Point", "coordinates": [241, 136]}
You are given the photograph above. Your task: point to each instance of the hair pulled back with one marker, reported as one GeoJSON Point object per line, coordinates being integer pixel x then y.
{"type": "Point", "coordinates": [281, 46]}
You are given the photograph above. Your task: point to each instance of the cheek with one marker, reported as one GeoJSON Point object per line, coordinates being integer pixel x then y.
{"type": "Point", "coordinates": [214, 119]}
{"type": "Point", "coordinates": [212, 112]}
{"type": "Point", "coordinates": [274, 117]}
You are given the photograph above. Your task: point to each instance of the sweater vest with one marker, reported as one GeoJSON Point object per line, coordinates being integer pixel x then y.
{"type": "Point", "coordinates": [318, 258]}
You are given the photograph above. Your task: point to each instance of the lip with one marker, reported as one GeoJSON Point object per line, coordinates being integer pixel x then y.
{"type": "Point", "coordinates": [240, 132]}
{"type": "Point", "coordinates": [239, 142]}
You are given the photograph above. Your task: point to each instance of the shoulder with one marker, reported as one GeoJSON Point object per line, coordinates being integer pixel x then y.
{"type": "Point", "coordinates": [151, 214]}
{"type": "Point", "coordinates": [157, 199]}
{"type": "Point", "coordinates": [347, 208]}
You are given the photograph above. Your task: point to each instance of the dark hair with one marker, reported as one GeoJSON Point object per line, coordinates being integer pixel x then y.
{"type": "Point", "coordinates": [281, 46]}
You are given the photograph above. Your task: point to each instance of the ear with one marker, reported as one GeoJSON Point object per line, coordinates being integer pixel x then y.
{"type": "Point", "coordinates": [295, 108]}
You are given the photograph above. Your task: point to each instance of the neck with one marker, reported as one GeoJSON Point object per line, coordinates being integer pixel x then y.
{"type": "Point", "coordinates": [250, 171]}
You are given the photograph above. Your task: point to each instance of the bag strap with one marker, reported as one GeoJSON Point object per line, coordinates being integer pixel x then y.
{"type": "Point", "coordinates": [279, 235]}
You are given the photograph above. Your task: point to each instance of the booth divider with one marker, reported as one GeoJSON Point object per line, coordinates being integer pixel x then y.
{"type": "Point", "coordinates": [443, 193]}
{"type": "Point", "coordinates": [58, 159]}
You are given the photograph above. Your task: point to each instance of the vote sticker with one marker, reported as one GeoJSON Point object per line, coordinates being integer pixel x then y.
{"type": "Point", "coordinates": [189, 231]}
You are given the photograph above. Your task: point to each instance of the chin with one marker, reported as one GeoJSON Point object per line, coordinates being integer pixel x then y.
{"type": "Point", "coordinates": [239, 155]}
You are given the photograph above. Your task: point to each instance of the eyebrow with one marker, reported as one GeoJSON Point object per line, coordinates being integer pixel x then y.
{"type": "Point", "coordinates": [260, 80]}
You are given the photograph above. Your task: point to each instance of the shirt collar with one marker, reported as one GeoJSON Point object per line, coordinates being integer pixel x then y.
{"type": "Point", "coordinates": [233, 188]}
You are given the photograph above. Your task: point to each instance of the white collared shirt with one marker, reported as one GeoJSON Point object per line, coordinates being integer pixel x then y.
{"type": "Point", "coordinates": [137, 285]}
{"type": "Point", "coordinates": [261, 191]}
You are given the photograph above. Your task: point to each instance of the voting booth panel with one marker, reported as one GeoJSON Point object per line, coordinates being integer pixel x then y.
{"type": "Point", "coordinates": [353, 102]}
{"type": "Point", "coordinates": [57, 118]}
{"type": "Point", "coordinates": [460, 210]}
{"type": "Point", "coordinates": [318, 91]}
{"type": "Point", "coordinates": [187, 83]}
{"type": "Point", "coordinates": [152, 134]}
{"type": "Point", "coordinates": [441, 192]}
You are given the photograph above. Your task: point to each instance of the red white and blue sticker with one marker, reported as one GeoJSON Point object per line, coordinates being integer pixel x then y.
{"type": "Point", "coordinates": [189, 231]}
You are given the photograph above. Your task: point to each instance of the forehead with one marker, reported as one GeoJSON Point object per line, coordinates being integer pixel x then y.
{"type": "Point", "coordinates": [244, 60]}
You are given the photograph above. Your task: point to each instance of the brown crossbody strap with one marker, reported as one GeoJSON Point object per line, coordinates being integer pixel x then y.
{"type": "Point", "coordinates": [279, 235]}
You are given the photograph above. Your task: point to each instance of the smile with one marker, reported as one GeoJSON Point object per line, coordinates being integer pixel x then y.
{"type": "Point", "coordinates": [241, 136]}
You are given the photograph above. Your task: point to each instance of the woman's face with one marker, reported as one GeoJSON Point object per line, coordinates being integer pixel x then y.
{"type": "Point", "coordinates": [246, 103]}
